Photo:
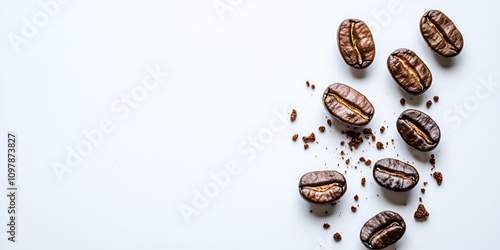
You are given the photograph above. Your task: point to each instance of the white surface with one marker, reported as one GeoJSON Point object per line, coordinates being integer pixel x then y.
{"type": "Point", "coordinates": [228, 78]}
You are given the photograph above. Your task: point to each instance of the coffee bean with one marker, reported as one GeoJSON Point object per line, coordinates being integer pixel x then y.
{"type": "Point", "coordinates": [409, 71]}
{"type": "Point", "coordinates": [356, 43]}
{"type": "Point", "coordinates": [382, 230]}
{"type": "Point", "coordinates": [348, 105]}
{"type": "Point", "coordinates": [418, 130]}
{"type": "Point", "coordinates": [322, 187]}
{"type": "Point", "coordinates": [395, 175]}
{"type": "Point", "coordinates": [441, 34]}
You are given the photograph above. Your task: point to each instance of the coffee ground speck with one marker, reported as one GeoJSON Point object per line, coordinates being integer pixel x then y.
{"type": "Point", "coordinates": [337, 236]}
{"type": "Point", "coordinates": [439, 177]}
{"type": "Point", "coordinates": [293, 116]}
{"type": "Point", "coordinates": [421, 213]}
{"type": "Point", "coordinates": [428, 103]}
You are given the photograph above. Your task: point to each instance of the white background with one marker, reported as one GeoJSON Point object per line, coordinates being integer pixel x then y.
{"type": "Point", "coordinates": [230, 75]}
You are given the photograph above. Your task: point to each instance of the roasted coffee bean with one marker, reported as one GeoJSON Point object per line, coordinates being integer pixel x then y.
{"type": "Point", "coordinates": [356, 43]}
{"type": "Point", "coordinates": [409, 71]}
{"type": "Point", "coordinates": [395, 175]}
{"type": "Point", "coordinates": [441, 34]}
{"type": "Point", "coordinates": [322, 187]}
{"type": "Point", "coordinates": [348, 105]}
{"type": "Point", "coordinates": [418, 130]}
{"type": "Point", "coordinates": [382, 230]}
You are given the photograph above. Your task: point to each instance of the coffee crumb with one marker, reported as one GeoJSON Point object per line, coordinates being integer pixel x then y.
{"type": "Point", "coordinates": [428, 103]}
{"type": "Point", "coordinates": [368, 162]}
{"type": "Point", "coordinates": [436, 98]}
{"type": "Point", "coordinates": [355, 139]}
{"type": "Point", "coordinates": [402, 101]}
{"type": "Point", "coordinates": [337, 236]}
{"type": "Point", "coordinates": [423, 190]}
{"type": "Point", "coordinates": [313, 86]}
{"type": "Point", "coordinates": [373, 137]}
{"type": "Point", "coordinates": [362, 159]}
{"type": "Point", "coordinates": [321, 129]}
{"type": "Point", "coordinates": [326, 225]}
{"type": "Point", "coordinates": [420, 199]}
{"type": "Point", "coordinates": [295, 136]}
{"type": "Point", "coordinates": [293, 116]}
{"type": "Point", "coordinates": [382, 129]}
{"type": "Point", "coordinates": [432, 160]}
{"type": "Point", "coordinates": [329, 122]}
{"type": "Point", "coordinates": [307, 83]}
{"type": "Point", "coordinates": [363, 181]}
{"type": "Point", "coordinates": [380, 145]}
{"type": "Point", "coordinates": [310, 211]}
{"type": "Point", "coordinates": [356, 197]}
{"type": "Point", "coordinates": [421, 213]}
{"type": "Point", "coordinates": [439, 177]}
{"type": "Point", "coordinates": [425, 183]}
{"type": "Point", "coordinates": [342, 143]}
{"type": "Point", "coordinates": [309, 138]}
{"type": "Point", "coordinates": [367, 131]}
{"type": "Point", "coordinates": [342, 152]}
{"type": "Point", "coordinates": [353, 209]}
{"type": "Point", "coordinates": [347, 161]}
{"type": "Point", "coordinates": [306, 146]}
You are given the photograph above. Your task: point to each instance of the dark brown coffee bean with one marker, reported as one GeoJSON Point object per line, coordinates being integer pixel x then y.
{"type": "Point", "coordinates": [322, 187]}
{"type": "Point", "coordinates": [418, 130]}
{"type": "Point", "coordinates": [356, 43]}
{"type": "Point", "coordinates": [382, 230]}
{"type": "Point", "coordinates": [348, 105]}
{"type": "Point", "coordinates": [395, 175]}
{"type": "Point", "coordinates": [409, 71]}
{"type": "Point", "coordinates": [441, 34]}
